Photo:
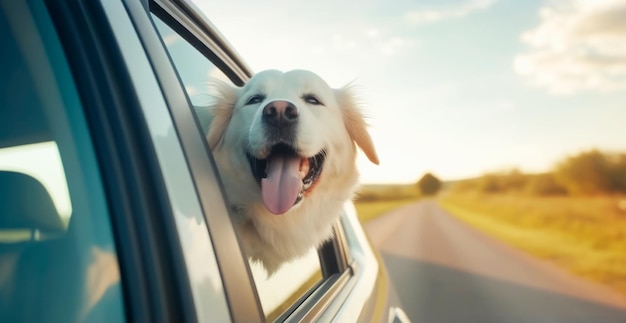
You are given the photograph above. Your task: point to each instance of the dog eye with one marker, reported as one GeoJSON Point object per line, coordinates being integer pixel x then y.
{"type": "Point", "coordinates": [309, 98]}
{"type": "Point", "coordinates": [255, 99]}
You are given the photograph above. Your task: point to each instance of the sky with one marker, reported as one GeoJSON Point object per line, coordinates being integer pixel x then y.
{"type": "Point", "coordinates": [457, 88]}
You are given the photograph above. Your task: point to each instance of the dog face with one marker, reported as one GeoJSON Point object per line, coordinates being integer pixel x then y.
{"type": "Point", "coordinates": [285, 145]}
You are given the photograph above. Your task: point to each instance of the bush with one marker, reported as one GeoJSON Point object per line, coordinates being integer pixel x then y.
{"type": "Point", "coordinates": [617, 172]}
{"type": "Point", "coordinates": [490, 183]}
{"type": "Point", "coordinates": [587, 173]}
{"type": "Point", "coordinates": [544, 184]}
{"type": "Point", "coordinates": [592, 173]}
{"type": "Point", "coordinates": [511, 181]}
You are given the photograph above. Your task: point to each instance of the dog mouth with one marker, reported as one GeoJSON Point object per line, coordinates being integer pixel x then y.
{"type": "Point", "coordinates": [285, 176]}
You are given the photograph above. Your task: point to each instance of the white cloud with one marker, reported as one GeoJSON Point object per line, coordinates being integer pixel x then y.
{"type": "Point", "coordinates": [424, 16]}
{"type": "Point", "coordinates": [372, 33]}
{"type": "Point", "coordinates": [579, 45]}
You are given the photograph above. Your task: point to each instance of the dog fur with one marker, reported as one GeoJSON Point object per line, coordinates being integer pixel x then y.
{"type": "Point", "coordinates": [235, 128]}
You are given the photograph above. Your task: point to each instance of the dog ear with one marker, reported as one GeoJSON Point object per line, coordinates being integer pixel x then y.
{"type": "Point", "coordinates": [355, 122]}
{"type": "Point", "coordinates": [220, 110]}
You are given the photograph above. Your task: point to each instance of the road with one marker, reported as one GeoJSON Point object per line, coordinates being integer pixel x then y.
{"type": "Point", "coordinates": [445, 271]}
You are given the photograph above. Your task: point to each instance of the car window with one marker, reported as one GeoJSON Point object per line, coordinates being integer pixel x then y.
{"type": "Point", "coordinates": [282, 289]}
{"type": "Point", "coordinates": [58, 260]}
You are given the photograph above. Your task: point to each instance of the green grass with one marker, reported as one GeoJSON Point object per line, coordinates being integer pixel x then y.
{"type": "Point", "coordinates": [586, 235]}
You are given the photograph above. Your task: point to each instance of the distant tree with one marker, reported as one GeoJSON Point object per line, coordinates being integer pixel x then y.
{"type": "Point", "coordinates": [586, 173]}
{"type": "Point", "coordinates": [617, 172]}
{"type": "Point", "coordinates": [514, 180]}
{"type": "Point", "coordinates": [490, 183]}
{"type": "Point", "coordinates": [543, 185]}
{"type": "Point", "coordinates": [429, 184]}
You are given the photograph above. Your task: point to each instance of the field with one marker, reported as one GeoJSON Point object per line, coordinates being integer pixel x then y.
{"type": "Point", "coordinates": [586, 235]}
{"type": "Point", "coordinates": [374, 200]}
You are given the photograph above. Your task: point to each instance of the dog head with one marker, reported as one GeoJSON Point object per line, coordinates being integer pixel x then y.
{"type": "Point", "coordinates": [285, 145]}
{"type": "Point", "coordinates": [294, 132]}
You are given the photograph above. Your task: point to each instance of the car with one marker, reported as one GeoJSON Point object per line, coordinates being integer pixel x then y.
{"type": "Point", "coordinates": [111, 206]}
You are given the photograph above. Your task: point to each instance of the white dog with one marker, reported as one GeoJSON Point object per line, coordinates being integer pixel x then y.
{"type": "Point", "coordinates": [285, 145]}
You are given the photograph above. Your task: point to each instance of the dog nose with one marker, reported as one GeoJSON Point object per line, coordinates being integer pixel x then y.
{"type": "Point", "coordinates": [280, 113]}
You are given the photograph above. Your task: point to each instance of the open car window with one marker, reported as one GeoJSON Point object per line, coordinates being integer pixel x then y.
{"type": "Point", "coordinates": [280, 292]}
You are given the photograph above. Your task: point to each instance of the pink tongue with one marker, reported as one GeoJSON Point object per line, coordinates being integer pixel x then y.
{"type": "Point", "coordinates": [283, 184]}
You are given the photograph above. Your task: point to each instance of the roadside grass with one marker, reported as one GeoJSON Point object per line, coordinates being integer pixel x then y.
{"type": "Point", "coordinates": [369, 210]}
{"type": "Point", "coordinates": [375, 200]}
{"type": "Point", "coordinates": [586, 235]}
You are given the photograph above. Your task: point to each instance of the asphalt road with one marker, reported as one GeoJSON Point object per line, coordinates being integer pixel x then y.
{"type": "Point", "coordinates": [445, 271]}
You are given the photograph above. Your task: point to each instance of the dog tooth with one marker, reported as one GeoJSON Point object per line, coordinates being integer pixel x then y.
{"type": "Point", "coordinates": [304, 167]}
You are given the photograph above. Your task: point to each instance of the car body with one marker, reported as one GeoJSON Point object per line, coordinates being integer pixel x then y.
{"type": "Point", "coordinates": [112, 207]}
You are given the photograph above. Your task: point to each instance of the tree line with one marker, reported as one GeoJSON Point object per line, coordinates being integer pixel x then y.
{"type": "Point", "coordinates": [588, 173]}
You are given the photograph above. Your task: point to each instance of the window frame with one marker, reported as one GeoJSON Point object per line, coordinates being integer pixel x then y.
{"type": "Point", "coordinates": [236, 278]}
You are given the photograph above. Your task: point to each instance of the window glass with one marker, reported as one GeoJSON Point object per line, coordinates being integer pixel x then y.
{"type": "Point", "coordinates": [280, 290]}
{"type": "Point", "coordinates": [57, 255]}
{"type": "Point", "coordinates": [196, 71]}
